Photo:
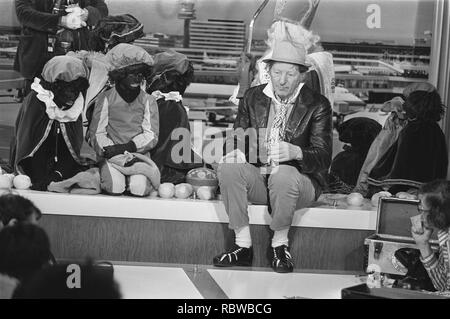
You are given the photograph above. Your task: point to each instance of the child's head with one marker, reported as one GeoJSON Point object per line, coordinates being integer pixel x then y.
{"type": "Point", "coordinates": [172, 71]}
{"type": "Point", "coordinates": [17, 209]}
{"type": "Point", "coordinates": [435, 203]}
{"type": "Point", "coordinates": [24, 249]}
{"type": "Point", "coordinates": [425, 106]}
{"type": "Point", "coordinates": [89, 282]}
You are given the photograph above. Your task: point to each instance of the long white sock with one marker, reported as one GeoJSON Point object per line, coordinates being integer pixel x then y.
{"type": "Point", "coordinates": [243, 237]}
{"type": "Point", "coordinates": [280, 237]}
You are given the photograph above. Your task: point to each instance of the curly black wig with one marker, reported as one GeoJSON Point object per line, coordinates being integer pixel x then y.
{"type": "Point", "coordinates": [120, 74]}
{"type": "Point", "coordinates": [425, 106]}
{"type": "Point", "coordinates": [171, 80]}
{"type": "Point", "coordinates": [80, 84]}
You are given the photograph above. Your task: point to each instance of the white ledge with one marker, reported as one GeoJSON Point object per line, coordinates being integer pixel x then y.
{"type": "Point", "coordinates": [192, 210]}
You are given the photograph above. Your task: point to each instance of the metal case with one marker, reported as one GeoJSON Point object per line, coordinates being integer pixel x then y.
{"type": "Point", "coordinates": [393, 232]}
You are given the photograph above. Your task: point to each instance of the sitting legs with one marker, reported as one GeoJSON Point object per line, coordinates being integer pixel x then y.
{"type": "Point", "coordinates": [287, 191]}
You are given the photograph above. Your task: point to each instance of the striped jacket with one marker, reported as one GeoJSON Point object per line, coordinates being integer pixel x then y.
{"type": "Point", "coordinates": [438, 268]}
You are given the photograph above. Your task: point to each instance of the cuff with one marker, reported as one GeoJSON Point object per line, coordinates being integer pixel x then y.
{"type": "Point", "coordinates": [429, 261]}
{"type": "Point", "coordinates": [131, 147]}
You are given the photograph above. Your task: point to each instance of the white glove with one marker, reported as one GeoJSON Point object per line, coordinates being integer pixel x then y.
{"type": "Point", "coordinates": [73, 20]}
{"type": "Point", "coordinates": [75, 8]}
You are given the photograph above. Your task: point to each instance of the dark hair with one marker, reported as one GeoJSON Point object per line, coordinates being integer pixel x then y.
{"type": "Point", "coordinates": [13, 206]}
{"type": "Point", "coordinates": [122, 73]}
{"type": "Point", "coordinates": [301, 68]}
{"type": "Point", "coordinates": [51, 283]}
{"type": "Point", "coordinates": [437, 197]}
{"type": "Point", "coordinates": [426, 106]}
{"type": "Point", "coordinates": [81, 84]}
{"type": "Point", "coordinates": [24, 249]}
{"type": "Point", "coordinates": [171, 80]}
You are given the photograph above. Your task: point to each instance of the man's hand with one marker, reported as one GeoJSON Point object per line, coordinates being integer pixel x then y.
{"type": "Point", "coordinates": [283, 152]}
{"type": "Point", "coordinates": [84, 15]}
{"type": "Point", "coordinates": [75, 18]}
{"type": "Point", "coordinates": [421, 238]}
{"type": "Point", "coordinates": [72, 22]}
{"type": "Point", "coordinates": [113, 150]}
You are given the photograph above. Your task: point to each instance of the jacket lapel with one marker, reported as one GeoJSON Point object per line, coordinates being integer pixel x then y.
{"type": "Point", "coordinates": [262, 108]}
{"type": "Point", "coordinates": [297, 114]}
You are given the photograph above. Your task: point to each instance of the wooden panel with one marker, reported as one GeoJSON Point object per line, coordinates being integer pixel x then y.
{"type": "Point", "coordinates": [121, 239]}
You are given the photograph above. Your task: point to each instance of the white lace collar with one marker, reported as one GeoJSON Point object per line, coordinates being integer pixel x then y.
{"type": "Point", "coordinates": [171, 96]}
{"type": "Point", "coordinates": [52, 110]}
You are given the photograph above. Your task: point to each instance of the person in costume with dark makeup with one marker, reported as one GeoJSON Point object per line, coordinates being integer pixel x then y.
{"type": "Point", "coordinates": [171, 75]}
{"type": "Point", "coordinates": [125, 125]}
{"type": "Point", "coordinates": [49, 131]}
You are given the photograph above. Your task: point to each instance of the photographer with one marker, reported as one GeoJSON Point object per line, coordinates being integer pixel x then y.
{"type": "Point", "coordinates": [42, 21]}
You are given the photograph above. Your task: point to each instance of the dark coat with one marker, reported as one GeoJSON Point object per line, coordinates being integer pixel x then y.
{"type": "Point", "coordinates": [37, 21]}
{"type": "Point", "coordinates": [309, 126]}
{"type": "Point", "coordinates": [419, 155]}
{"type": "Point", "coordinates": [33, 127]}
{"type": "Point", "coordinates": [172, 115]}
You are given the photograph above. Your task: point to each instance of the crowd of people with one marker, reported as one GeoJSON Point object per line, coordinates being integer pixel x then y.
{"type": "Point", "coordinates": [129, 101]}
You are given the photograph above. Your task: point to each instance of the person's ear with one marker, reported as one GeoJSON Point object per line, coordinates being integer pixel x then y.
{"type": "Point", "coordinates": [12, 222]}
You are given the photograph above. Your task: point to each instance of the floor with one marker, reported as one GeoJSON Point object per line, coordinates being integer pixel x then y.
{"type": "Point", "coordinates": [163, 281]}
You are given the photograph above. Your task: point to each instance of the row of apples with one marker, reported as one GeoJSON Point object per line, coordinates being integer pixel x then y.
{"type": "Point", "coordinates": [8, 181]}
{"type": "Point", "coordinates": [356, 199]}
{"type": "Point", "coordinates": [202, 184]}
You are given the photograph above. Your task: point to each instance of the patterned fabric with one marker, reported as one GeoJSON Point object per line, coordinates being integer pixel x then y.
{"type": "Point", "coordinates": [278, 125]}
{"type": "Point", "coordinates": [282, 108]}
{"type": "Point", "coordinates": [438, 268]}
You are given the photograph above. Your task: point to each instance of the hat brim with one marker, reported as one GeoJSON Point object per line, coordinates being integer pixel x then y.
{"type": "Point", "coordinates": [305, 64]}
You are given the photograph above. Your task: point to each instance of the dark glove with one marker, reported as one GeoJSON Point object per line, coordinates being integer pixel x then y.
{"type": "Point", "coordinates": [113, 150]}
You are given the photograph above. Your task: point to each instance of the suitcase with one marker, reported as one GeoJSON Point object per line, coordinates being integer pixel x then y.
{"type": "Point", "coordinates": [393, 232]}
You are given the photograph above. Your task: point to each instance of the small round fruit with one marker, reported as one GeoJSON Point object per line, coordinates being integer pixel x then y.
{"type": "Point", "coordinates": [166, 190]}
{"type": "Point", "coordinates": [355, 199]}
{"type": "Point", "coordinates": [22, 182]}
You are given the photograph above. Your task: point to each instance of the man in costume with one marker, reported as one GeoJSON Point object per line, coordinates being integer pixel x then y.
{"type": "Point", "coordinates": [295, 123]}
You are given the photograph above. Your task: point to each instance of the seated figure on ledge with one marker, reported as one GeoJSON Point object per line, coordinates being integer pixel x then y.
{"type": "Point", "coordinates": [419, 154]}
{"type": "Point", "coordinates": [49, 131]}
{"type": "Point", "coordinates": [125, 125]}
{"type": "Point", "coordinates": [295, 124]}
{"type": "Point", "coordinates": [172, 73]}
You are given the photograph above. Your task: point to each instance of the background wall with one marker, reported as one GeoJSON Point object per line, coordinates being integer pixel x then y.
{"type": "Point", "coordinates": [336, 20]}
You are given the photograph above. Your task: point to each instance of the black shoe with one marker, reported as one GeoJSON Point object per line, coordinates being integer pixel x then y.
{"type": "Point", "coordinates": [237, 256]}
{"type": "Point", "coordinates": [282, 260]}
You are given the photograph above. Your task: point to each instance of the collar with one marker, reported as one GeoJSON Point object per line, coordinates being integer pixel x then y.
{"type": "Point", "coordinates": [52, 110]}
{"type": "Point", "coordinates": [171, 96]}
{"type": "Point", "coordinates": [268, 91]}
